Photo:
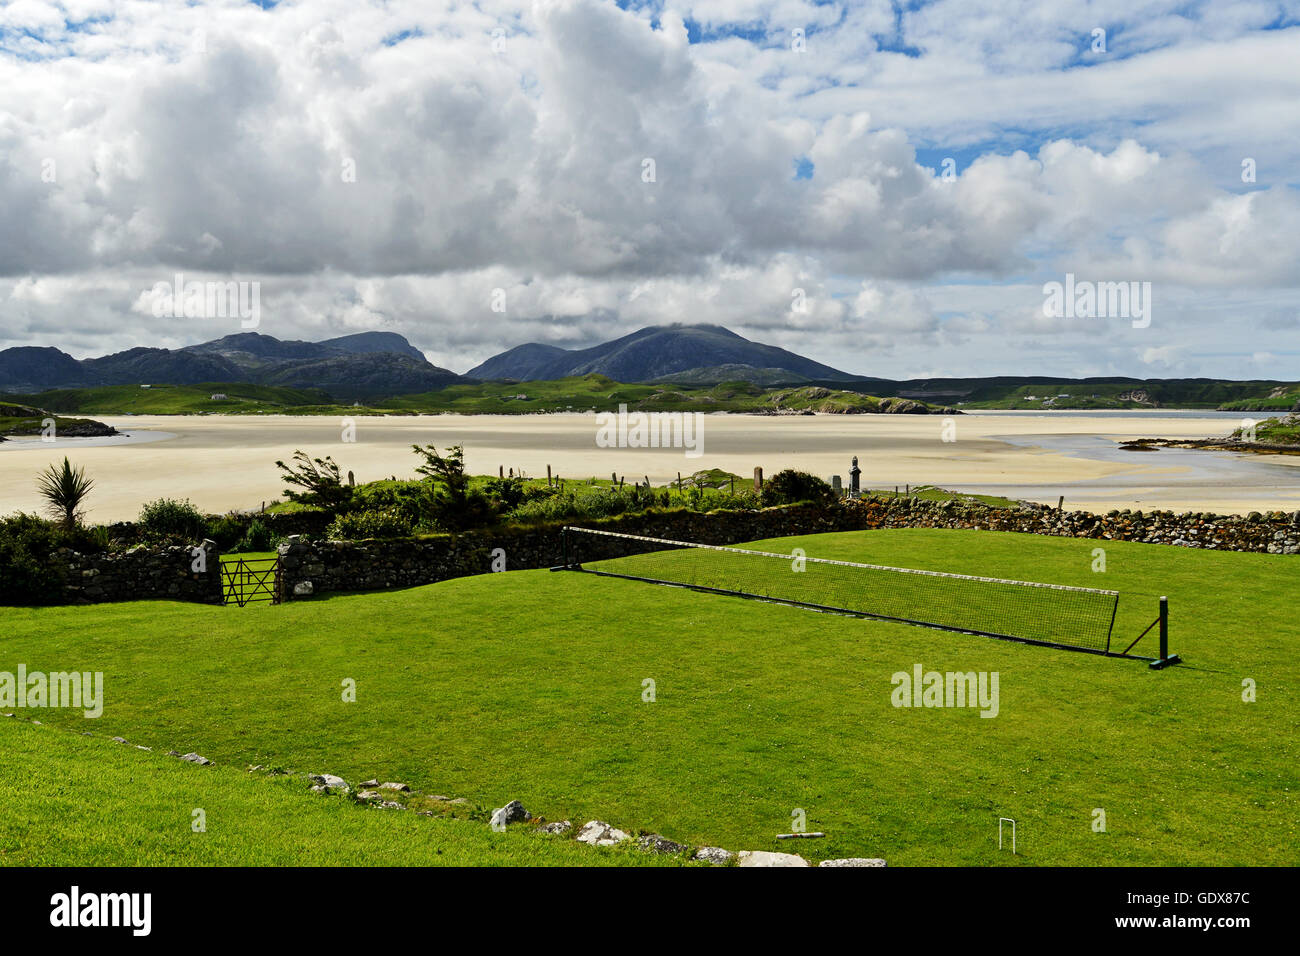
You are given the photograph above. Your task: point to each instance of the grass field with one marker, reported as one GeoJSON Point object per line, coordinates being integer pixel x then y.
{"type": "Point", "coordinates": [70, 800]}
{"type": "Point", "coordinates": [529, 685]}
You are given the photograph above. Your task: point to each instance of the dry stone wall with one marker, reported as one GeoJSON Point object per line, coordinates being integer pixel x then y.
{"type": "Point", "coordinates": [140, 574]}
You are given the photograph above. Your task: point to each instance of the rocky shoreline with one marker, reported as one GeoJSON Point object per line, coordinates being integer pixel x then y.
{"type": "Point", "coordinates": [1214, 444]}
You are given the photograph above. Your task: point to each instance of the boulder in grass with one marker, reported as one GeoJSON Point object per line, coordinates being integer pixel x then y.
{"type": "Point", "coordinates": [655, 843]}
{"type": "Point", "coordinates": [854, 861]}
{"type": "Point", "coordinates": [512, 812]}
{"type": "Point", "coordinates": [401, 787]}
{"type": "Point", "coordinates": [328, 781]}
{"type": "Point", "coordinates": [598, 833]}
{"type": "Point", "coordinates": [559, 828]}
{"type": "Point", "coordinates": [369, 795]}
{"type": "Point", "coordinates": [764, 858]}
{"type": "Point", "coordinates": [715, 855]}
{"type": "Point", "coordinates": [369, 783]}
{"type": "Point", "coordinates": [196, 758]}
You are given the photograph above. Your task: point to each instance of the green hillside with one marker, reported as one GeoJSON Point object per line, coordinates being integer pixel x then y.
{"type": "Point", "coordinates": [584, 393]}
{"type": "Point", "coordinates": [185, 400]}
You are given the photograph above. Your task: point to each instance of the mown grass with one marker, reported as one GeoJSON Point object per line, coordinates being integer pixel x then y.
{"type": "Point", "coordinates": [530, 685]}
{"type": "Point", "coordinates": [69, 800]}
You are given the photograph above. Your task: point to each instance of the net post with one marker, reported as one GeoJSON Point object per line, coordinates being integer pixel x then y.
{"type": "Point", "coordinates": [1164, 628]}
{"type": "Point", "coordinates": [564, 551]}
{"type": "Point", "coordinates": [1165, 659]}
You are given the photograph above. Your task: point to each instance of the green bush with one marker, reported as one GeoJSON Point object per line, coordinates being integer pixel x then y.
{"type": "Point", "coordinates": [790, 487]}
{"type": "Point", "coordinates": [358, 525]}
{"type": "Point", "coordinates": [408, 499]}
{"type": "Point", "coordinates": [26, 543]}
{"type": "Point", "coordinates": [226, 531]}
{"type": "Point", "coordinates": [506, 493]}
{"type": "Point", "coordinates": [168, 518]}
{"type": "Point", "coordinates": [589, 503]}
{"type": "Point", "coordinates": [258, 537]}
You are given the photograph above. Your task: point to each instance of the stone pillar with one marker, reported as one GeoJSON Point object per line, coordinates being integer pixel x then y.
{"type": "Point", "coordinates": [212, 562]}
{"type": "Point", "coordinates": [836, 486]}
{"type": "Point", "coordinates": [758, 479]}
{"type": "Point", "coordinates": [854, 472]}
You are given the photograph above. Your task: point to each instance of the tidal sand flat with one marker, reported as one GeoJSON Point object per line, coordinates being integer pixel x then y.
{"type": "Point", "coordinates": [228, 462]}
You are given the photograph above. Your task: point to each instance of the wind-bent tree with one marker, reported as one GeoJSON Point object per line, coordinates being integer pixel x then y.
{"type": "Point", "coordinates": [452, 504]}
{"type": "Point", "coordinates": [64, 489]}
{"type": "Point", "coordinates": [319, 480]}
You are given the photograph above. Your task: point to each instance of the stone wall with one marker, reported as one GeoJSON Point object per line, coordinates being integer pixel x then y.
{"type": "Point", "coordinates": [1273, 533]}
{"type": "Point", "coordinates": [325, 566]}
{"type": "Point", "coordinates": [138, 574]}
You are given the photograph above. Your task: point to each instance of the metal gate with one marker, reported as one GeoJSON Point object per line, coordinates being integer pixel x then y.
{"type": "Point", "coordinates": [246, 580]}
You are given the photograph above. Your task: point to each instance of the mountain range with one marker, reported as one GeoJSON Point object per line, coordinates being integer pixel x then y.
{"type": "Point", "coordinates": [364, 365]}
{"type": "Point", "coordinates": [700, 353]}
{"type": "Point", "coordinates": [371, 365]}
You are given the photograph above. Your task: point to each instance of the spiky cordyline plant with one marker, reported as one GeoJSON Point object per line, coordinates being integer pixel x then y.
{"type": "Point", "coordinates": [64, 489]}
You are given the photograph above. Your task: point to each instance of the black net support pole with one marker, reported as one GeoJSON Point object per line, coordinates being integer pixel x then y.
{"type": "Point", "coordinates": [1164, 660]}
{"type": "Point", "coordinates": [564, 564]}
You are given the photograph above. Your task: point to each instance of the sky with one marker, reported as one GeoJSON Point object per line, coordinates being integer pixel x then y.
{"type": "Point", "coordinates": [887, 187]}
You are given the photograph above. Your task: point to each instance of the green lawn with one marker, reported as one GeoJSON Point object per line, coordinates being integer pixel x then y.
{"type": "Point", "coordinates": [70, 800]}
{"type": "Point", "coordinates": [529, 685]}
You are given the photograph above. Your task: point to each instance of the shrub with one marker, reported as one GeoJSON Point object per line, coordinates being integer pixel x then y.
{"type": "Point", "coordinates": [409, 499]}
{"type": "Point", "coordinates": [357, 525]}
{"type": "Point", "coordinates": [226, 531]}
{"type": "Point", "coordinates": [258, 537]}
{"type": "Point", "coordinates": [26, 542]}
{"type": "Point", "coordinates": [792, 487]}
{"type": "Point", "coordinates": [506, 493]}
{"type": "Point", "coordinates": [168, 518]}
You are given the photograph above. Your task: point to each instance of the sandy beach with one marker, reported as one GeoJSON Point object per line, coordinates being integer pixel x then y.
{"type": "Point", "coordinates": [228, 462]}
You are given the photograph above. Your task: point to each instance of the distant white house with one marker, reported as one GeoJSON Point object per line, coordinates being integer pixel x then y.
{"type": "Point", "coordinates": [218, 396]}
{"type": "Point", "coordinates": [521, 397]}
{"type": "Point", "coordinates": [144, 386]}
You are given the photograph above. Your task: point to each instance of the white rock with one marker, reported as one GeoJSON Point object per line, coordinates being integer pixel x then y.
{"type": "Point", "coordinates": [302, 589]}
{"type": "Point", "coordinates": [395, 786]}
{"type": "Point", "coordinates": [764, 858]}
{"type": "Point", "coordinates": [512, 812]}
{"type": "Point", "coordinates": [598, 833]}
{"type": "Point", "coordinates": [329, 781]}
{"type": "Point", "coordinates": [715, 855]}
{"type": "Point", "coordinates": [854, 861]}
